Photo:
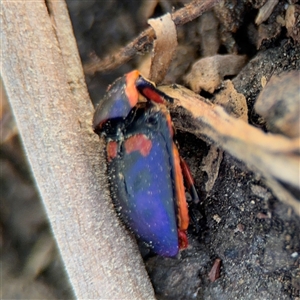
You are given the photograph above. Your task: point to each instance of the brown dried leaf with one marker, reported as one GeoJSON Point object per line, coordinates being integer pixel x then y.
{"type": "Point", "coordinates": [164, 46]}
{"type": "Point", "coordinates": [208, 73]}
{"type": "Point", "coordinates": [278, 104]}
{"type": "Point", "coordinates": [233, 102]}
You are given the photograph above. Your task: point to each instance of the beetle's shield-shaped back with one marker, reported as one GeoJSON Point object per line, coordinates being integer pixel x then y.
{"type": "Point", "coordinates": [140, 172]}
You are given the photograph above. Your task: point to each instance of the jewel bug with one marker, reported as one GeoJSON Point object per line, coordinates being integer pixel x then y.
{"type": "Point", "coordinates": [144, 167]}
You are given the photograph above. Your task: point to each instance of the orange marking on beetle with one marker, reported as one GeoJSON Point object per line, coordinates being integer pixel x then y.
{"type": "Point", "coordinates": [163, 109]}
{"type": "Point", "coordinates": [138, 142]}
{"type": "Point", "coordinates": [130, 90]}
{"type": "Point", "coordinates": [182, 238]}
{"type": "Point", "coordinates": [112, 150]}
{"type": "Point", "coordinates": [170, 124]}
{"type": "Point", "coordinates": [186, 173]}
{"type": "Point", "coordinates": [183, 213]}
{"type": "Point", "coordinates": [150, 94]}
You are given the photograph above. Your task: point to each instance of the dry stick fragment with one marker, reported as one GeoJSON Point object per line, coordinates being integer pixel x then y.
{"type": "Point", "coordinates": [265, 11]}
{"type": "Point", "coordinates": [209, 34]}
{"type": "Point", "coordinates": [274, 156]}
{"type": "Point", "coordinates": [63, 28]}
{"type": "Point", "coordinates": [214, 272]}
{"type": "Point", "coordinates": [235, 104]}
{"type": "Point", "coordinates": [164, 47]}
{"type": "Point", "coordinates": [144, 40]}
{"type": "Point", "coordinates": [211, 165]}
{"type": "Point", "coordinates": [53, 112]}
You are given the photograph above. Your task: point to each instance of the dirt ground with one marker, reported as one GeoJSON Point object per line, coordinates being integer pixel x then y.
{"type": "Point", "coordinates": [241, 226]}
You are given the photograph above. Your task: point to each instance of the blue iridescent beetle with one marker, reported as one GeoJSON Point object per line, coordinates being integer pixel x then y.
{"type": "Point", "coordinates": [144, 167]}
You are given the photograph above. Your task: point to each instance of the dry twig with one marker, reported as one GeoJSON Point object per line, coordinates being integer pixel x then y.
{"type": "Point", "coordinates": [273, 156]}
{"type": "Point", "coordinates": [145, 39]}
{"type": "Point", "coordinates": [45, 85]}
